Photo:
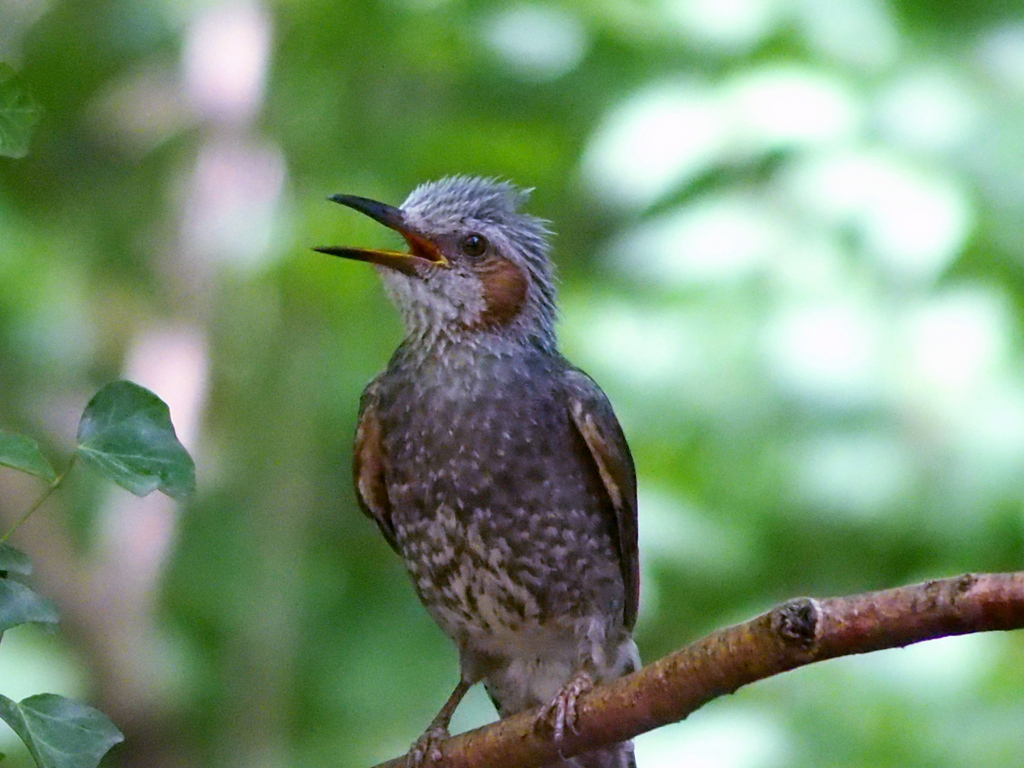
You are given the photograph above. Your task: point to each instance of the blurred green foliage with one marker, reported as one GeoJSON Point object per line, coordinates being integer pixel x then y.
{"type": "Point", "coordinates": [789, 239]}
{"type": "Point", "coordinates": [18, 114]}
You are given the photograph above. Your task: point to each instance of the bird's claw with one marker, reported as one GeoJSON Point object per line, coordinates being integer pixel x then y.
{"type": "Point", "coordinates": [561, 713]}
{"type": "Point", "coordinates": [426, 750]}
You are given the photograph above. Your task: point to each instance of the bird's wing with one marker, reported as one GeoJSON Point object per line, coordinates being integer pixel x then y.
{"type": "Point", "coordinates": [593, 416]}
{"type": "Point", "coordinates": [368, 463]}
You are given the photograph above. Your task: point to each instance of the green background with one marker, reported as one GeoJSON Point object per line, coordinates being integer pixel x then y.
{"type": "Point", "coordinates": [790, 237]}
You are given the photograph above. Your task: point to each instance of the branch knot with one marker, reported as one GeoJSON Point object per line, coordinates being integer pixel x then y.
{"type": "Point", "coordinates": [796, 622]}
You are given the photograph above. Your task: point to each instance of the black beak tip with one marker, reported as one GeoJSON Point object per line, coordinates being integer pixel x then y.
{"type": "Point", "coordinates": [386, 214]}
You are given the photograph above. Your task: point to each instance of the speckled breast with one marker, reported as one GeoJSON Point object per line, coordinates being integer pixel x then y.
{"type": "Point", "coordinates": [496, 504]}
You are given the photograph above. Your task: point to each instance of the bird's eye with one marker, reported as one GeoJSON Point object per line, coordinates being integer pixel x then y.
{"type": "Point", "coordinates": [474, 245]}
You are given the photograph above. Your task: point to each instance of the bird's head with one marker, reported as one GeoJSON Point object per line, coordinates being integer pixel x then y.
{"type": "Point", "coordinates": [475, 264]}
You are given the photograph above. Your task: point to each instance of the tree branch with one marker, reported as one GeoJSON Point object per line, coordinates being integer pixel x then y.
{"type": "Point", "coordinates": [799, 632]}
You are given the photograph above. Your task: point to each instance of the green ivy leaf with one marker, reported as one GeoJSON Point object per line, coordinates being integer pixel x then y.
{"type": "Point", "coordinates": [22, 453]}
{"type": "Point", "coordinates": [20, 605]}
{"type": "Point", "coordinates": [59, 732]}
{"type": "Point", "coordinates": [126, 433]}
{"type": "Point", "coordinates": [13, 561]}
{"type": "Point", "coordinates": [18, 114]}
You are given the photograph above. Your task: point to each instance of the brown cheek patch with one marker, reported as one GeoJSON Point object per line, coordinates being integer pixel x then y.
{"type": "Point", "coordinates": [504, 287]}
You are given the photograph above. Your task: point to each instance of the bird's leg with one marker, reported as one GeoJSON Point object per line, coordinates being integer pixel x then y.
{"type": "Point", "coordinates": [427, 748]}
{"type": "Point", "coordinates": [560, 713]}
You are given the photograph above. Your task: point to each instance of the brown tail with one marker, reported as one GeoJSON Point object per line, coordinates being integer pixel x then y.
{"type": "Point", "coordinates": [617, 756]}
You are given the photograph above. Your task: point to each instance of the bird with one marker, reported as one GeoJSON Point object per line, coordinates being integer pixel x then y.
{"type": "Point", "coordinates": [495, 468]}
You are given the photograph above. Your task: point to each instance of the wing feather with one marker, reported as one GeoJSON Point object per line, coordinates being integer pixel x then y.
{"type": "Point", "coordinates": [368, 467]}
{"type": "Point", "coordinates": [595, 420]}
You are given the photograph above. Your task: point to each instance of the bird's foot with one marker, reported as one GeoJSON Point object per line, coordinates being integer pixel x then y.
{"type": "Point", "coordinates": [426, 750]}
{"type": "Point", "coordinates": [560, 713]}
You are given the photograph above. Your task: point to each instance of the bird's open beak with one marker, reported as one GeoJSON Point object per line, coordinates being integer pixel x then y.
{"type": "Point", "coordinates": [422, 252]}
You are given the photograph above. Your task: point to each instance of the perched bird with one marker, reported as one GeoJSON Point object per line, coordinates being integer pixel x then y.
{"type": "Point", "coordinates": [493, 467]}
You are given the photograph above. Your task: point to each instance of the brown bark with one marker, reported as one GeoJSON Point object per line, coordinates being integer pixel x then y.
{"type": "Point", "coordinates": [799, 632]}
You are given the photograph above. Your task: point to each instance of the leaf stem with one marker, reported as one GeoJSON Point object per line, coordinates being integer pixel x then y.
{"type": "Point", "coordinates": [53, 486]}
